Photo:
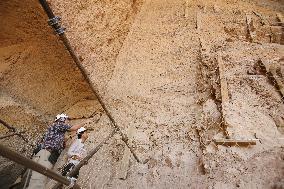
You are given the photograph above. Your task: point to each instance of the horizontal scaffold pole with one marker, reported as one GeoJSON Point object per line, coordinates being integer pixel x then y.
{"type": "Point", "coordinates": [15, 157]}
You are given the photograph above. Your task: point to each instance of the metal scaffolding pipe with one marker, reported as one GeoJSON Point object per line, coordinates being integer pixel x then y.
{"type": "Point", "coordinates": [54, 22]}
{"type": "Point", "coordinates": [14, 130]}
{"type": "Point", "coordinates": [7, 153]}
{"type": "Point", "coordinates": [6, 136]}
{"type": "Point", "coordinates": [7, 125]}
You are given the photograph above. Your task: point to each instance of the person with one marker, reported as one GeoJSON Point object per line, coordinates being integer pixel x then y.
{"type": "Point", "coordinates": [76, 152]}
{"type": "Point", "coordinates": [50, 149]}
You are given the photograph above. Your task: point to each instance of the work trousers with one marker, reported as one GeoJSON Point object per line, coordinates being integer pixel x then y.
{"type": "Point", "coordinates": [38, 181]}
{"type": "Point", "coordinates": [67, 168]}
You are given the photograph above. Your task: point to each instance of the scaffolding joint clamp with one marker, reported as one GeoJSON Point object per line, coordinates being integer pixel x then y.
{"type": "Point", "coordinates": [60, 30]}
{"type": "Point", "coordinates": [53, 21]}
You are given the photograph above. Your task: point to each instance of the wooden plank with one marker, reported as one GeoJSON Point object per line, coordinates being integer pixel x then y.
{"type": "Point", "coordinates": [224, 92]}
{"type": "Point", "coordinates": [13, 129]}
{"type": "Point", "coordinates": [237, 142]}
{"type": "Point", "coordinates": [223, 81]}
{"type": "Point", "coordinates": [124, 165]}
{"type": "Point", "coordinates": [7, 126]}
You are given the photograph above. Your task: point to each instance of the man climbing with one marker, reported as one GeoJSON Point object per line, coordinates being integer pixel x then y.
{"type": "Point", "coordinates": [51, 147]}
{"type": "Point", "coordinates": [76, 152]}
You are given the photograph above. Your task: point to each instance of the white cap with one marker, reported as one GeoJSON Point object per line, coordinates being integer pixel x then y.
{"type": "Point", "coordinates": [82, 129]}
{"type": "Point", "coordinates": [61, 117]}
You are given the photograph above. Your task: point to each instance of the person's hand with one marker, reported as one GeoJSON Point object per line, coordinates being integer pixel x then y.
{"type": "Point", "coordinates": [86, 162]}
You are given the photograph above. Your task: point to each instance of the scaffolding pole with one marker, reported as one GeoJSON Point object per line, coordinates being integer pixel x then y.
{"type": "Point", "coordinates": [15, 157]}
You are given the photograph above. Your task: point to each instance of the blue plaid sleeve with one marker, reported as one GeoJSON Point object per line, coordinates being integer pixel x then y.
{"type": "Point", "coordinates": [64, 128]}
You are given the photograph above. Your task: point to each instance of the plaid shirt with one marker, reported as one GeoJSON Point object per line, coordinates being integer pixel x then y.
{"type": "Point", "coordinates": [54, 138]}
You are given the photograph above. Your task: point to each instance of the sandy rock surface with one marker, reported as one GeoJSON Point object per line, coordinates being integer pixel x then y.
{"type": "Point", "coordinates": [159, 76]}
{"type": "Point", "coordinates": [38, 79]}
{"type": "Point", "coordinates": [175, 75]}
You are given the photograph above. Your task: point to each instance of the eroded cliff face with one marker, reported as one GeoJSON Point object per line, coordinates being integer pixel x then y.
{"type": "Point", "coordinates": [156, 64]}
{"type": "Point", "coordinates": [175, 75]}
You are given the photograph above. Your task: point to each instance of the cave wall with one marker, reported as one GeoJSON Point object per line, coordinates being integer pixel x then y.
{"type": "Point", "coordinates": [38, 78]}
{"type": "Point", "coordinates": [145, 63]}
{"type": "Point", "coordinates": [144, 57]}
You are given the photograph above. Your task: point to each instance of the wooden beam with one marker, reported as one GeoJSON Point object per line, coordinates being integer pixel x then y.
{"type": "Point", "coordinates": [223, 81]}
{"type": "Point", "coordinates": [235, 142]}
{"type": "Point", "coordinates": [224, 93]}
{"type": "Point", "coordinates": [7, 125]}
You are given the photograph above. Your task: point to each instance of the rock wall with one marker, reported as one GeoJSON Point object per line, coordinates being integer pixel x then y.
{"type": "Point", "coordinates": [176, 75]}
{"type": "Point", "coordinates": [156, 65]}
{"type": "Point", "coordinates": [38, 78]}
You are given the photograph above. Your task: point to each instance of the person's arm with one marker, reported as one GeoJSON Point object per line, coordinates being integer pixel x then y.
{"type": "Point", "coordinates": [76, 127]}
